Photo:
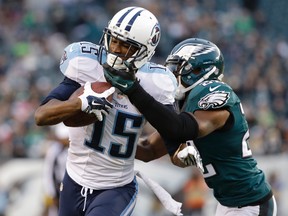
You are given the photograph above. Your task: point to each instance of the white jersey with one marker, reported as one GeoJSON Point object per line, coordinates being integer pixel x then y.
{"type": "Point", "coordinates": [101, 155]}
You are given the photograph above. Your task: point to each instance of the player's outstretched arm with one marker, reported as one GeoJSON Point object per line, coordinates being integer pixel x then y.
{"type": "Point", "coordinates": [56, 111]}
{"type": "Point", "coordinates": [156, 113]}
{"type": "Point", "coordinates": [172, 126]}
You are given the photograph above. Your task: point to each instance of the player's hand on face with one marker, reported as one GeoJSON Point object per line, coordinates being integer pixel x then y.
{"type": "Point", "coordinates": [96, 103]}
{"type": "Point", "coordinates": [190, 156]}
{"type": "Point", "coordinates": [124, 80]}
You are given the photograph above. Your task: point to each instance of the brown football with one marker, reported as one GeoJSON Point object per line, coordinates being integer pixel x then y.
{"type": "Point", "coordinates": [81, 118]}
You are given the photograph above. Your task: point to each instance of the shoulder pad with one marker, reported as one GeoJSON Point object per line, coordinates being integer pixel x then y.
{"type": "Point", "coordinates": [79, 49]}
{"type": "Point", "coordinates": [211, 95]}
{"type": "Point", "coordinates": [81, 59]}
{"type": "Point", "coordinates": [158, 81]}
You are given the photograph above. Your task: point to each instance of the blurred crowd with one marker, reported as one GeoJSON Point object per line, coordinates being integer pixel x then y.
{"type": "Point", "coordinates": [33, 34]}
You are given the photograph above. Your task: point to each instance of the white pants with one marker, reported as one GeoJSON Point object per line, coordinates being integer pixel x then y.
{"type": "Point", "coordinates": [244, 211]}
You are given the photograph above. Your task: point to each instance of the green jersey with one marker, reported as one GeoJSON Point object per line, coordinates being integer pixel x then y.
{"type": "Point", "coordinates": [230, 170]}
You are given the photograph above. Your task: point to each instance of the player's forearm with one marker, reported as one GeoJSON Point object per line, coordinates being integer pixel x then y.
{"type": "Point", "coordinates": [144, 153]}
{"type": "Point", "coordinates": [151, 148]}
{"type": "Point", "coordinates": [172, 126]}
{"type": "Point", "coordinates": [56, 111]}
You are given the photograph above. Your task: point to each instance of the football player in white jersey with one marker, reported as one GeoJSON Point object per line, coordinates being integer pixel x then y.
{"type": "Point", "coordinates": [100, 177]}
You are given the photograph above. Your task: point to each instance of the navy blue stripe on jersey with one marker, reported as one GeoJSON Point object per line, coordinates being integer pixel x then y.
{"type": "Point", "coordinates": [123, 16]}
{"type": "Point", "coordinates": [128, 27]}
{"type": "Point", "coordinates": [63, 91]}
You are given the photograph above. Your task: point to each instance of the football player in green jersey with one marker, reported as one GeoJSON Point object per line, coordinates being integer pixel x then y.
{"type": "Point", "coordinates": [211, 121]}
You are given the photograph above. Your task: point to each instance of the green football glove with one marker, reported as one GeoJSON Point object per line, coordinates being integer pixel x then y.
{"type": "Point", "coordinates": [124, 80]}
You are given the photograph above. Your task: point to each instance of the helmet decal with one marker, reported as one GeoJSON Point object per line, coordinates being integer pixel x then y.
{"type": "Point", "coordinates": [132, 20]}
{"type": "Point", "coordinates": [155, 35]}
{"type": "Point", "coordinates": [123, 16]}
{"type": "Point", "coordinates": [190, 50]}
{"type": "Point", "coordinates": [203, 50]}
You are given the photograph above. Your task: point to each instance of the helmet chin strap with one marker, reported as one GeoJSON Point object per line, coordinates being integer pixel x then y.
{"type": "Point", "coordinates": [180, 94]}
{"type": "Point", "coordinates": [181, 90]}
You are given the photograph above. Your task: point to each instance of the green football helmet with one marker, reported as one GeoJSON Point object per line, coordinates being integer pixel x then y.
{"type": "Point", "coordinates": [193, 61]}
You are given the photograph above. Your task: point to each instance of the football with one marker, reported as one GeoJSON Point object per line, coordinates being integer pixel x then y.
{"type": "Point", "coordinates": [81, 118]}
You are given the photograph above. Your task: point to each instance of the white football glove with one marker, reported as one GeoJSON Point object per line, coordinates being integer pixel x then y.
{"type": "Point", "coordinates": [190, 156]}
{"type": "Point", "coordinates": [96, 103]}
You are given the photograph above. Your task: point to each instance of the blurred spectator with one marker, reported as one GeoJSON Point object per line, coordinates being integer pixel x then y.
{"type": "Point", "coordinates": [193, 195]}
{"type": "Point", "coordinates": [157, 208]}
{"type": "Point", "coordinates": [54, 168]}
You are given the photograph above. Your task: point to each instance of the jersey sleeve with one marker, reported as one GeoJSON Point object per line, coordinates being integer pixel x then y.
{"type": "Point", "coordinates": [171, 146]}
{"type": "Point", "coordinates": [159, 82]}
{"type": "Point", "coordinates": [63, 91]}
{"type": "Point", "coordinates": [210, 95]}
{"type": "Point", "coordinates": [80, 62]}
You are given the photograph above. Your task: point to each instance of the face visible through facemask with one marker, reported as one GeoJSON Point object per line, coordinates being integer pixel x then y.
{"type": "Point", "coordinates": [119, 51]}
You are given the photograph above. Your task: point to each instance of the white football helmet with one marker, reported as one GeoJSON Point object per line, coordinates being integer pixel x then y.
{"type": "Point", "coordinates": [139, 28]}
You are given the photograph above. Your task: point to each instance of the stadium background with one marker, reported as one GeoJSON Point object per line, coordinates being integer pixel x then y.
{"type": "Point", "coordinates": [253, 36]}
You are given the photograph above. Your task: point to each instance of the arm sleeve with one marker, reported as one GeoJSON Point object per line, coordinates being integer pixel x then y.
{"type": "Point", "coordinates": [63, 91]}
{"type": "Point", "coordinates": [173, 127]}
{"type": "Point", "coordinates": [171, 146]}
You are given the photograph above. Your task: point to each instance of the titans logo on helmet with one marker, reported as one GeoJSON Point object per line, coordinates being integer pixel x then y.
{"type": "Point", "coordinates": [155, 35]}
